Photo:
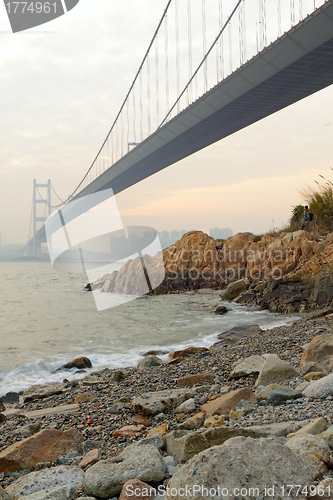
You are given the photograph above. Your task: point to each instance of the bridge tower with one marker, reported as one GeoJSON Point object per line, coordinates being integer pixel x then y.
{"type": "Point", "coordinates": [35, 248]}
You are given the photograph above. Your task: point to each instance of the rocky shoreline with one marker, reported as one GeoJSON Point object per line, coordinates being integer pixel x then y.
{"type": "Point", "coordinates": [196, 413]}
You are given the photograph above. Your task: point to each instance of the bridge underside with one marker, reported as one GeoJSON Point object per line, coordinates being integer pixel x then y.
{"type": "Point", "coordinates": [295, 66]}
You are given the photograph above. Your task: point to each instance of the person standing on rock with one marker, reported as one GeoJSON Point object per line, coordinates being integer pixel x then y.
{"type": "Point", "coordinates": [306, 219]}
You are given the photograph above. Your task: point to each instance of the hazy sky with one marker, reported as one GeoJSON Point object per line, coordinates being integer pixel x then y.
{"type": "Point", "coordinates": [61, 86]}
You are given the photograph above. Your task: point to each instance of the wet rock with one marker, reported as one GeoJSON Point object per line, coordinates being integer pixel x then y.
{"type": "Point", "coordinates": [10, 397]}
{"type": "Point", "coordinates": [153, 403]}
{"type": "Point", "coordinates": [320, 388]}
{"type": "Point", "coordinates": [79, 363]}
{"type": "Point", "coordinates": [224, 404]}
{"type": "Point", "coordinates": [231, 336]}
{"type": "Point", "coordinates": [220, 310]}
{"type": "Point", "coordinates": [313, 451]}
{"type": "Point", "coordinates": [106, 478]}
{"type": "Point", "coordinates": [249, 366]}
{"type": "Point", "coordinates": [189, 352]}
{"type": "Point", "coordinates": [275, 370]}
{"type": "Point", "coordinates": [47, 479]}
{"type": "Point", "coordinates": [149, 361]}
{"type": "Point", "coordinates": [320, 352]}
{"type": "Point", "coordinates": [239, 462]}
{"type": "Point", "coordinates": [45, 446]}
{"type": "Point", "coordinates": [117, 376]}
{"type": "Point", "coordinates": [2, 418]}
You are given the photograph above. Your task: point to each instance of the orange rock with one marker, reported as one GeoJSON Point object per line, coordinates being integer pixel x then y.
{"type": "Point", "coordinates": [82, 398]}
{"type": "Point", "coordinates": [139, 419]}
{"type": "Point", "coordinates": [160, 429]}
{"type": "Point", "coordinates": [198, 378]}
{"type": "Point", "coordinates": [224, 404]}
{"type": "Point", "coordinates": [193, 423]}
{"type": "Point", "coordinates": [89, 458]}
{"type": "Point", "coordinates": [45, 446]}
{"type": "Point", "coordinates": [189, 352]}
{"type": "Point", "coordinates": [89, 421]}
{"type": "Point", "coordinates": [128, 431]}
{"type": "Point", "coordinates": [175, 361]}
{"type": "Point", "coordinates": [180, 416]}
{"type": "Point", "coordinates": [134, 489]}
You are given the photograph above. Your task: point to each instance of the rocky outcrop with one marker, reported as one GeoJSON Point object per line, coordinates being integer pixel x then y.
{"type": "Point", "coordinates": [240, 462]}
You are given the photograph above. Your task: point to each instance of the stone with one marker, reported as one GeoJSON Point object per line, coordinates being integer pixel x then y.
{"type": "Point", "coordinates": [83, 397]}
{"type": "Point", "coordinates": [240, 462]}
{"type": "Point", "coordinates": [314, 376]}
{"type": "Point", "coordinates": [29, 430]}
{"type": "Point", "coordinates": [320, 352]}
{"type": "Point", "coordinates": [92, 445]}
{"type": "Point", "coordinates": [183, 444]}
{"type": "Point", "coordinates": [215, 421]}
{"type": "Point", "coordinates": [40, 392]}
{"type": "Point", "coordinates": [53, 410]}
{"type": "Point", "coordinates": [224, 404]}
{"type": "Point", "coordinates": [320, 388]}
{"type": "Point", "coordinates": [234, 289]}
{"type": "Point", "coordinates": [134, 489]}
{"type": "Point", "coordinates": [187, 407]}
{"type": "Point", "coordinates": [309, 367]}
{"type": "Point", "coordinates": [106, 478]}
{"type": "Point", "coordinates": [46, 479]}
{"type": "Point", "coordinates": [149, 361]}
{"type": "Point", "coordinates": [282, 394]}
{"type": "Point", "coordinates": [117, 376]}
{"type": "Point", "coordinates": [153, 403]}
{"type": "Point", "coordinates": [89, 458]}
{"type": "Point", "coordinates": [159, 429]}
{"type": "Point", "coordinates": [189, 352]}
{"type": "Point", "coordinates": [275, 370]}
{"type": "Point", "coordinates": [2, 418]}
{"type": "Point", "coordinates": [2, 406]}
{"type": "Point", "coordinates": [128, 431]}
{"type": "Point", "coordinates": [198, 378]}
{"type": "Point", "coordinates": [10, 397]}
{"type": "Point", "coordinates": [4, 495]}
{"type": "Point", "coordinates": [194, 422]}
{"type": "Point", "coordinates": [241, 409]}
{"type": "Point", "coordinates": [220, 310]}
{"type": "Point", "coordinates": [79, 363]}
{"type": "Point", "coordinates": [314, 451]}
{"type": "Point", "coordinates": [67, 492]}
{"type": "Point", "coordinates": [302, 386]}
{"type": "Point", "coordinates": [45, 446]}
{"type": "Point", "coordinates": [316, 426]}
{"type": "Point", "coordinates": [249, 366]}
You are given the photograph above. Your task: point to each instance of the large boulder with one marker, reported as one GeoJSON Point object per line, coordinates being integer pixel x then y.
{"type": "Point", "coordinates": [149, 361]}
{"type": "Point", "coordinates": [320, 352]}
{"type": "Point", "coordinates": [241, 463]}
{"type": "Point", "coordinates": [4, 495]}
{"type": "Point", "coordinates": [275, 370]}
{"type": "Point", "coordinates": [45, 446]}
{"type": "Point", "coordinates": [106, 478]}
{"type": "Point", "coordinates": [234, 289]}
{"type": "Point", "coordinates": [314, 451]}
{"type": "Point", "coordinates": [46, 479]}
{"type": "Point", "coordinates": [79, 363]}
{"type": "Point", "coordinates": [183, 444]}
{"type": "Point", "coordinates": [41, 392]}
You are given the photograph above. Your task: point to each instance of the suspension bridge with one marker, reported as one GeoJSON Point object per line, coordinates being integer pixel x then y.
{"type": "Point", "coordinates": [211, 69]}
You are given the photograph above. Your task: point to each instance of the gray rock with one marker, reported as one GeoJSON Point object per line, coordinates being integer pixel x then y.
{"type": "Point", "coordinates": [314, 451]}
{"type": "Point", "coordinates": [153, 403]}
{"type": "Point", "coordinates": [183, 444]}
{"type": "Point", "coordinates": [46, 479]}
{"type": "Point", "coordinates": [275, 370]}
{"type": "Point", "coordinates": [106, 478]}
{"type": "Point", "coordinates": [10, 397]}
{"type": "Point", "coordinates": [41, 392]}
{"type": "Point", "coordinates": [92, 445]}
{"type": "Point", "coordinates": [187, 407]}
{"type": "Point", "coordinates": [59, 493]}
{"type": "Point", "coordinates": [320, 388]}
{"type": "Point", "coordinates": [282, 394]}
{"type": "Point", "coordinates": [155, 440]}
{"type": "Point", "coordinates": [238, 463]}
{"type": "Point", "coordinates": [234, 289]}
{"type": "Point", "coordinates": [249, 366]}
{"type": "Point", "coordinates": [29, 430]}
{"type": "Point", "coordinates": [235, 334]}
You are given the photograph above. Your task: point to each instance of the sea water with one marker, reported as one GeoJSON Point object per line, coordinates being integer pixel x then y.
{"type": "Point", "coordinates": [47, 319]}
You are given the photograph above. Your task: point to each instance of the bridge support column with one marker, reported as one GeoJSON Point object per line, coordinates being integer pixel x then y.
{"type": "Point", "coordinates": [34, 246]}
